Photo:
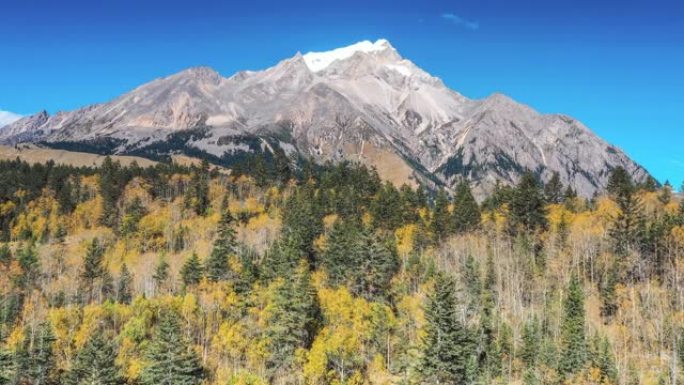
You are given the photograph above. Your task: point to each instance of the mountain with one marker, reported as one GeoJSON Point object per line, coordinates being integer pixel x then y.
{"type": "Point", "coordinates": [362, 102]}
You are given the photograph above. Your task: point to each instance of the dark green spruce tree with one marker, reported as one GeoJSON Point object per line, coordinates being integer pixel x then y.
{"type": "Point", "coordinates": [553, 190]}
{"type": "Point", "coordinates": [295, 318]}
{"type": "Point", "coordinates": [440, 225]}
{"type": "Point", "coordinates": [192, 271]}
{"type": "Point", "coordinates": [371, 266]}
{"type": "Point", "coordinates": [218, 264]}
{"type": "Point", "coordinates": [124, 293]}
{"type": "Point", "coordinates": [573, 338]}
{"type": "Point", "coordinates": [466, 215]}
{"type": "Point", "coordinates": [110, 188]}
{"type": "Point", "coordinates": [95, 363]}
{"type": "Point", "coordinates": [527, 206]}
{"type": "Point", "coordinates": [628, 226]}
{"type": "Point", "coordinates": [199, 185]}
{"type": "Point", "coordinates": [35, 361]}
{"type": "Point", "coordinates": [171, 360]}
{"type": "Point", "coordinates": [448, 344]}
{"type": "Point", "coordinates": [92, 270]}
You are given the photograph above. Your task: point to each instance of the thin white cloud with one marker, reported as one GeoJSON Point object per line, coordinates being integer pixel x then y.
{"type": "Point", "coordinates": [458, 20]}
{"type": "Point", "coordinates": [7, 117]}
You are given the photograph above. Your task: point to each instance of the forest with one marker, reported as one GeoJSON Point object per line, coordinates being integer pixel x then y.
{"type": "Point", "coordinates": [275, 274]}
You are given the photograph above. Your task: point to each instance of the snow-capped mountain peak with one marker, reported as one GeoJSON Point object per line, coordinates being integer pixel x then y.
{"type": "Point", "coordinates": [318, 61]}
{"type": "Point", "coordinates": [363, 102]}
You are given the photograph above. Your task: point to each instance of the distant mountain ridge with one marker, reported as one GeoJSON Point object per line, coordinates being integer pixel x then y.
{"type": "Point", "coordinates": [362, 102]}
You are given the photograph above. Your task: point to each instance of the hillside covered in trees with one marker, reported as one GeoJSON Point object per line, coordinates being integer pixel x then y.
{"type": "Point", "coordinates": [327, 275]}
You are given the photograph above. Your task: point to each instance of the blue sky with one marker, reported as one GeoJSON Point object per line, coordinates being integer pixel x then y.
{"type": "Point", "coordinates": [618, 66]}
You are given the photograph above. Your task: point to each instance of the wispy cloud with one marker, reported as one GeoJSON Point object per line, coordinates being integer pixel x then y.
{"type": "Point", "coordinates": [7, 117]}
{"type": "Point", "coordinates": [458, 20]}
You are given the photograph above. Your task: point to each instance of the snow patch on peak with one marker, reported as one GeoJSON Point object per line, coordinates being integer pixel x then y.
{"type": "Point", "coordinates": [318, 61]}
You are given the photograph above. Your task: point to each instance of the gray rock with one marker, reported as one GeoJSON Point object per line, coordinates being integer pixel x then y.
{"type": "Point", "coordinates": [362, 95]}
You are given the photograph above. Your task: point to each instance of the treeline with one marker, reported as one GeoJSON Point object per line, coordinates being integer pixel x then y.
{"type": "Point", "coordinates": [328, 275]}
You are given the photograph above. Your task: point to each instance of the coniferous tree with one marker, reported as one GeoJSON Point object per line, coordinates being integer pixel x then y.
{"type": "Point", "coordinates": [531, 341]}
{"type": "Point", "coordinates": [340, 248]}
{"type": "Point", "coordinates": [448, 345]}
{"type": "Point", "coordinates": [573, 339]}
{"type": "Point", "coordinates": [302, 220]}
{"type": "Point", "coordinates": [92, 269]}
{"type": "Point", "coordinates": [124, 291]}
{"type": "Point", "coordinates": [466, 215]}
{"type": "Point", "coordinates": [35, 358]}
{"type": "Point", "coordinates": [171, 360]}
{"type": "Point", "coordinates": [386, 208]}
{"type": "Point", "coordinates": [30, 266]}
{"type": "Point", "coordinates": [490, 352]}
{"type": "Point", "coordinates": [473, 284]}
{"type": "Point", "coordinates": [628, 226]}
{"type": "Point", "coordinates": [440, 224]}
{"type": "Point", "coordinates": [371, 266]}
{"type": "Point", "coordinates": [218, 264]}
{"type": "Point", "coordinates": [619, 181]}
{"type": "Point", "coordinates": [192, 271]}
{"type": "Point", "coordinates": [161, 273]}
{"type": "Point", "coordinates": [665, 196]}
{"type": "Point", "coordinates": [553, 190]}
{"type": "Point", "coordinates": [199, 184]}
{"type": "Point", "coordinates": [7, 367]}
{"type": "Point", "coordinates": [133, 213]}
{"type": "Point", "coordinates": [609, 282]}
{"type": "Point", "coordinates": [527, 206]}
{"type": "Point", "coordinates": [282, 257]}
{"type": "Point", "coordinates": [605, 362]}
{"type": "Point", "coordinates": [295, 318]}
{"type": "Point", "coordinates": [95, 363]}
{"type": "Point", "coordinates": [110, 189]}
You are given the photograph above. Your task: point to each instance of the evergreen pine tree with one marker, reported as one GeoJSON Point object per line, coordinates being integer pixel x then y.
{"type": "Point", "coordinates": [192, 271]}
{"type": "Point", "coordinates": [448, 345]}
{"type": "Point", "coordinates": [92, 269]}
{"type": "Point", "coordinates": [553, 190]}
{"type": "Point", "coordinates": [619, 181]}
{"type": "Point", "coordinates": [171, 360]}
{"type": "Point", "coordinates": [605, 362]}
{"type": "Point", "coordinates": [665, 195]}
{"type": "Point", "coordinates": [340, 250]}
{"type": "Point", "coordinates": [531, 341]}
{"type": "Point", "coordinates": [161, 273]}
{"type": "Point", "coordinates": [30, 266]}
{"type": "Point", "coordinates": [199, 184]}
{"type": "Point", "coordinates": [440, 224]}
{"type": "Point", "coordinates": [473, 283]}
{"type": "Point", "coordinates": [123, 290]}
{"type": "Point", "coordinates": [573, 339]}
{"type": "Point", "coordinates": [466, 215]}
{"type": "Point", "coordinates": [371, 266]}
{"type": "Point", "coordinates": [110, 188]}
{"type": "Point", "coordinates": [295, 318]}
{"type": "Point", "coordinates": [282, 257]}
{"type": "Point", "coordinates": [35, 361]}
{"type": "Point", "coordinates": [627, 228]}
{"type": "Point", "coordinates": [302, 220]}
{"type": "Point", "coordinates": [95, 363]}
{"type": "Point", "coordinates": [7, 367]}
{"type": "Point", "coordinates": [218, 264]}
{"type": "Point", "coordinates": [527, 206]}
{"type": "Point", "coordinates": [609, 282]}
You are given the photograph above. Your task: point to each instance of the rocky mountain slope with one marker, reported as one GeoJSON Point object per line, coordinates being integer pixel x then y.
{"type": "Point", "coordinates": [363, 102]}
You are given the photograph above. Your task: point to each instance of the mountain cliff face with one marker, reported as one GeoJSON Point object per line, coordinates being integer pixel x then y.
{"type": "Point", "coordinates": [363, 102]}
